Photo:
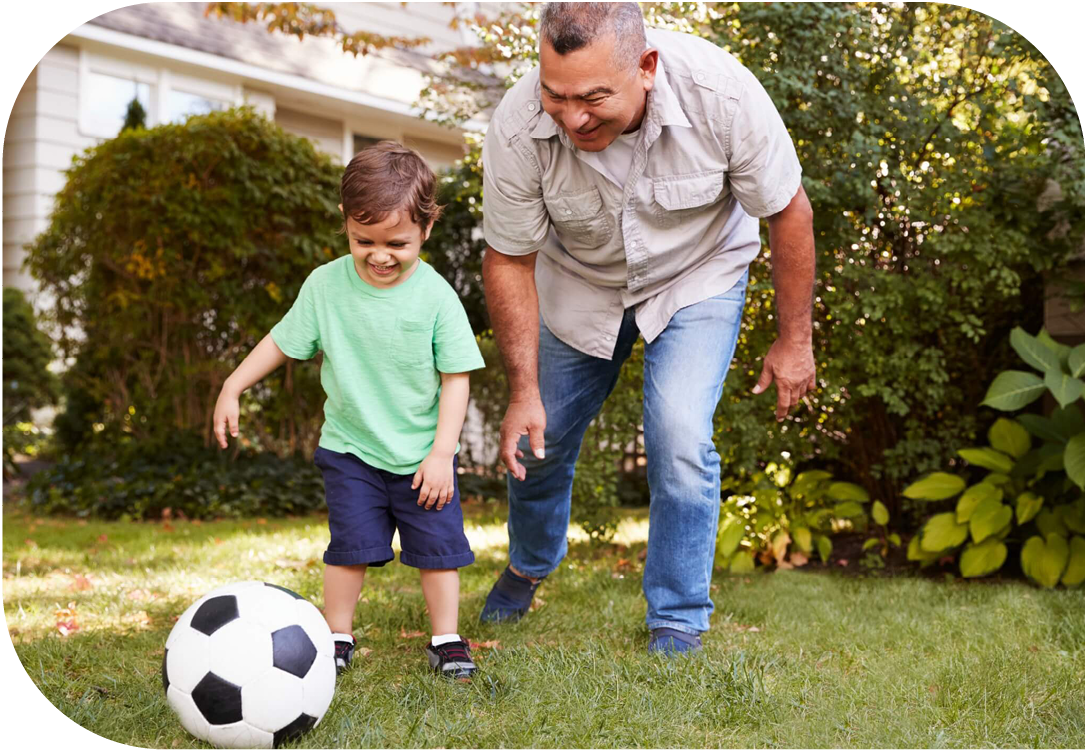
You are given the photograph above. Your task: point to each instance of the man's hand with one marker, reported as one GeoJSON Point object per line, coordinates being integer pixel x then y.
{"type": "Point", "coordinates": [227, 409]}
{"type": "Point", "coordinates": [435, 478]}
{"type": "Point", "coordinates": [791, 366]}
{"type": "Point", "coordinates": [523, 417]}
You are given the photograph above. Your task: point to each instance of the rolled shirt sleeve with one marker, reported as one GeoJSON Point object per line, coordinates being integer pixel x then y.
{"type": "Point", "coordinates": [765, 173]}
{"type": "Point", "coordinates": [514, 218]}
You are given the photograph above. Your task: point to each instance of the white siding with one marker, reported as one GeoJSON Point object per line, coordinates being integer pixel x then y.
{"type": "Point", "coordinates": [41, 138]}
{"type": "Point", "coordinates": [326, 134]}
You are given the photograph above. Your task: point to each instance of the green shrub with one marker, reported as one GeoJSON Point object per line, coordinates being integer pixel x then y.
{"type": "Point", "coordinates": [1030, 497]}
{"type": "Point", "coordinates": [28, 382]}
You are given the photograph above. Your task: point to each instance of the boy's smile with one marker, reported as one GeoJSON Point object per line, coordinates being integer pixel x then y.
{"type": "Point", "coordinates": [386, 253]}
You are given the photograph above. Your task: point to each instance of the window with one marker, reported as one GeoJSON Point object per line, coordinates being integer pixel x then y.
{"type": "Point", "coordinates": [182, 104]}
{"type": "Point", "coordinates": [107, 101]}
{"type": "Point", "coordinates": [364, 141]}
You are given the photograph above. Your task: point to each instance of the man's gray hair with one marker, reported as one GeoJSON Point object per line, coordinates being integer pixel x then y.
{"type": "Point", "coordinates": [568, 27]}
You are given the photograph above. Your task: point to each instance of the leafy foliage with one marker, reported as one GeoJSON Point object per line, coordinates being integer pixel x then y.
{"type": "Point", "coordinates": [1031, 494]}
{"type": "Point", "coordinates": [28, 382]}
{"type": "Point", "coordinates": [173, 269]}
{"type": "Point", "coordinates": [135, 116]}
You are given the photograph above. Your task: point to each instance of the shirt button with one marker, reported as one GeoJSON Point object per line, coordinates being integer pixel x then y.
{"type": "Point", "coordinates": [700, 75]}
{"type": "Point", "coordinates": [568, 210]}
{"type": "Point", "coordinates": [531, 107]}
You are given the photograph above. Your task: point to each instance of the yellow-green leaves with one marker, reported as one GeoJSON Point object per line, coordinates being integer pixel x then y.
{"type": "Point", "coordinates": [847, 491]}
{"type": "Point", "coordinates": [1074, 459]}
{"type": "Point", "coordinates": [1013, 390]}
{"type": "Point", "coordinates": [1028, 505]}
{"type": "Point", "coordinates": [942, 532]}
{"type": "Point", "coordinates": [973, 496]}
{"type": "Point", "coordinates": [1045, 560]}
{"type": "Point", "coordinates": [990, 517]}
{"type": "Point", "coordinates": [937, 486]}
{"type": "Point", "coordinates": [1009, 437]}
{"type": "Point", "coordinates": [879, 513]}
{"type": "Point", "coordinates": [980, 559]}
{"type": "Point", "coordinates": [988, 458]}
{"type": "Point", "coordinates": [1075, 566]}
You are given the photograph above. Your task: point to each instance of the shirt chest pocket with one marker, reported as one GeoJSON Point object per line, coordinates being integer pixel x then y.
{"type": "Point", "coordinates": [680, 197]}
{"type": "Point", "coordinates": [580, 219]}
{"type": "Point", "coordinates": [413, 342]}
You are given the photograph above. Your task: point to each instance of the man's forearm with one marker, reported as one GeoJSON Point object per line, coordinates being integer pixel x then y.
{"type": "Point", "coordinates": [513, 304]}
{"type": "Point", "coordinates": [791, 240]}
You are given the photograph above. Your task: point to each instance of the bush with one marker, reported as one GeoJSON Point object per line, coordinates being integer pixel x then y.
{"type": "Point", "coordinates": [170, 253]}
{"type": "Point", "coordinates": [28, 383]}
{"type": "Point", "coordinates": [142, 479]}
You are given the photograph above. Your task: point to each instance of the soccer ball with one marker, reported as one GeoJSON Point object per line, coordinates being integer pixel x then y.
{"type": "Point", "coordinates": [249, 665]}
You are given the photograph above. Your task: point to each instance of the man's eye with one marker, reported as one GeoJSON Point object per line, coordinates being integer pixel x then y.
{"type": "Point", "coordinates": [595, 101]}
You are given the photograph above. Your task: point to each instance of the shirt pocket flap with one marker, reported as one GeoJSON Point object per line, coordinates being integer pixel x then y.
{"type": "Point", "coordinates": [575, 206]}
{"type": "Point", "coordinates": [688, 191]}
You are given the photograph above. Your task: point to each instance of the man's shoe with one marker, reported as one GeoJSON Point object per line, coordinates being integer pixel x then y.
{"type": "Point", "coordinates": [344, 651]}
{"type": "Point", "coordinates": [509, 599]}
{"type": "Point", "coordinates": [673, 642]}
{"type": "Point", "coordinates": [452, 660]}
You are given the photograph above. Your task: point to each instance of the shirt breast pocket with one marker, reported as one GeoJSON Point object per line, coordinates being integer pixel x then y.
{"type": "Point", "coordinates": [680, 197]}
{"type": "Point", "coordinates": [580, 219]}
{"type": "Point", "coordinates": [413, 344]}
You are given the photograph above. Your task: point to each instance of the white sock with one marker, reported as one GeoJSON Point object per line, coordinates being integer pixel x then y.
{"type": "Point", "coordinates": [347, 637]}
{"type": "Point", "coordinates": [440, 640]}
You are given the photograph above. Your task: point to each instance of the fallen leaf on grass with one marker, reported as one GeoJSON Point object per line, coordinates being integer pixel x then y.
{"type": "Point", "coordinates": [67, 627]}
{"type": "Point", "coordinates": [537, 603]}
{"type": "Point", "coordinates": [31, 543]}
{"type": "Point", "coordinates": [798, 559]}
{"type": "Point", "coordinates": [623, 565]}
{"type": "Point", "coordinates": [496, 645]}
{"type": "Point", "coordinates": [363, 651]}
{"type": "Point", "coordinates": [1033, 649]}
{"type": "Point", "coordinates": [167, 526]}
{"type": "Point", "coordinates": [139, 620]}
{"type": "Point", "coordinates": [932, 689]}
{"type": "Point", "coordinates": [81, 583]}
{"type": "Point", "coordinates": [103, 538]}
{"type": "Point", "coordinates": [413, 634]}
{"type": "Point", "coordinates": [261, 521]}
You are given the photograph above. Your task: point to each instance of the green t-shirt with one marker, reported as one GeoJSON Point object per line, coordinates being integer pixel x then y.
{"type": "Point", "coordinates": [384, 350]}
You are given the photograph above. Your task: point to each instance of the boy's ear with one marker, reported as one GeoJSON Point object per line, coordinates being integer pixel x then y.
{"type": "Point", "coordinates": [340, 208]}
{"type": "Point", "coordinates": [429, 228]}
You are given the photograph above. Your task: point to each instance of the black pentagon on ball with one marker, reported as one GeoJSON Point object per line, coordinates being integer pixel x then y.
{"type": "Point", "coordinates": [294, 729]}
{"type": "Point", "coordinates": [218, 700]}
{"type": "Point", "coordinates": [214, 613]}
{"type": "Point", "coordinates": [283, 588]}
{"type": "Point", "coordinates": [165, 677]}
{"type": "Point", "coordinates": [292, 650]}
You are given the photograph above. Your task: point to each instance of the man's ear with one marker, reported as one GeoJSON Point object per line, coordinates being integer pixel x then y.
{"type": "Point", "coordinates": [648, 60]}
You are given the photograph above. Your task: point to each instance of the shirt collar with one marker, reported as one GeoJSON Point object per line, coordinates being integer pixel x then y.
{"type": "Point", "coordinates": [662, 103]}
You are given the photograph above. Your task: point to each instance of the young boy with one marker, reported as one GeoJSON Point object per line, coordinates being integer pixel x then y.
{"type": "Point", "coordinates": [397, 351]}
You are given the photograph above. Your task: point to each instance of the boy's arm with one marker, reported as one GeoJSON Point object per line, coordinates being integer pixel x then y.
{"type": "Point", "coordinates": [455, 391]}
{"type": "Point", "coordinates": [265, 358]}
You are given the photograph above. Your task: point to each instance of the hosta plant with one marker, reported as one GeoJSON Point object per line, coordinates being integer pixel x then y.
{"type": "Point", "coordinates": [1031, 499]}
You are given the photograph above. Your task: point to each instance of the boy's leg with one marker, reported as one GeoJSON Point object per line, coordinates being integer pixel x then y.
{"type": "Point", "coordinates": [684, 371]}
{"type": "Point", "coordinates": [573, 387]}
{"type": "Point", "coordinates": [342, 585]}
{"type": "Point", "coordinates": [441, 589]}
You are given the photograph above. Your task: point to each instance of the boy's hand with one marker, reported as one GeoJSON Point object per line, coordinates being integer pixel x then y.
{"type": "Point", "coordinates": [435, 478]}
{"type": "Point", "coordinates": [227, 409]}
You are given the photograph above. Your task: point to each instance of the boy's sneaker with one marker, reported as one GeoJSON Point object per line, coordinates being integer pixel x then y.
{"type": "Point", "coordinates": [344, 651]}
{"type": "Point", "coordinates": [509, 599]}
{"type": "Point", "coordinates": [452, 660]}
{"type": "Point", "coordinates": [673, 642]}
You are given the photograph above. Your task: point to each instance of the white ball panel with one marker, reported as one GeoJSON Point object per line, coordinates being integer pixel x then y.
{"type": "Point", "coordinates": [318, 687]}
{"type": "Point", "coordinates": [268, 606]}
{"type": "Point", "coordinates": [185, 708]}
{"type": "Point", "coordinates": [240, 734]}
{"type": "Point", "coordinates": [188, 659]}
{"type": "Point", "coordinates": [316, 627]}
{"type": "Point", "coordinates": [272, 700]}
{"type": "Point", "coordinates": [240, 650]}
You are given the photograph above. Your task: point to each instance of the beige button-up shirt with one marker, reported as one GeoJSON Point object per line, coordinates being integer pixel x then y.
{"type": "Point", "coordinates": [713, 156]}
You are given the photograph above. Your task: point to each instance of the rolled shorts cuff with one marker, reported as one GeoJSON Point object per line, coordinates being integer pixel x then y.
{"type": "Point", "coordinates": [437, 562]}
{"type": "Point", "coordinates": [680, 627]}
{"type": "Point", "coordinates": [374, 556]}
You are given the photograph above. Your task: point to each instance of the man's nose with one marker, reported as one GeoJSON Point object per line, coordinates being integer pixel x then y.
{"type": "Point", "coordinates": [576, 119]}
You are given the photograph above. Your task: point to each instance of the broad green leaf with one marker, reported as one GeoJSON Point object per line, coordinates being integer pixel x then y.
{"type": "Point", "coordinates": [848, 491]}
{"type": "Point", "coordinates": [1042, 427]}
{"type": "Point", "coordinates": [917, 554]}
{"type": "Point", "coordinates": [1076, 361]}
{"type": "Point", "coordinates": [989, 518]}
{"type": "Point", "coordinates": [1009, 437]}
{"type": "Point", "coordinates": [996, 478]}
{"type": "Point", "coordinates": [879, 513]}
{"type": "Point", "coordinates": [1013, 390]}
{"type": "Point", "coordinates": [1073, 515]}
{"type": "Point", "coordinates": [973, 496]}
{"type": "Point", "coordinates": [942, 532]}
{"type": "Point", "coordinates": [1044, 560]}
{"type": "Point", "coordinates": [1064, 388]}
{"type": "Point", "coordinates": [937, 486]}
{"type": "Point", "coordinates": [1049, 521]}
{"type": "Point", "coordinates": [981, 559]}
{"type": "Point", "coordinates": [1028, 505]}
{"type": "Point", "coordinates": [850, 509]}
{"type": "Point", "coordinates": [743, 562]}
{"type": "Point", "coordinates": [871, 543]}
{"type": "Point", "coordinates": [1075, 566]}
{"type": "Point", "coordinates": [988, 458]}
{"type": "Point", "coordinates": [1069, 421]}
{"type": "Point", "coordinates": [731, 532]}
{"type": "Point", "coordinates": [1074, 460]}
{"type": "Point", "coordinates": [1062, 350]}
{"type": "Point", "coordinates": [895, 539]}
{"type": "Point", "coordinates": [825, 548]}
{"type": "Point", "coordinates": [803, 538]}
{"type": "Point", "coordinates": [1033, 351]}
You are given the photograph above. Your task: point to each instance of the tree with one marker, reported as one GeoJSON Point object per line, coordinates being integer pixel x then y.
{"type": "Point", "coordinates": [135, 116]}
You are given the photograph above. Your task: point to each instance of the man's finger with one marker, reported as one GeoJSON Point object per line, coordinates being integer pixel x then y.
{"type": "Point", "coordinates": [765, 380]}
{"type": "Point", "coordinates": [783, 399]}
{"type": "Point", "coordinates": [535, 440]}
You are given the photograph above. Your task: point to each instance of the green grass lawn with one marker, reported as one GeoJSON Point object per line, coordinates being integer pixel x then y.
{"type": "Point", "coordinates": [794, 658]}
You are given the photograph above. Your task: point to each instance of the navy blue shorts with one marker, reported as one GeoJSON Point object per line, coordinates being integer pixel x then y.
{"type": "Point", "coordinates": [365, 507]}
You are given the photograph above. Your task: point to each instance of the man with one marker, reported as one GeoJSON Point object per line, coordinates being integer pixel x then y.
{"type": "Point", "coordinates": [623, 182]}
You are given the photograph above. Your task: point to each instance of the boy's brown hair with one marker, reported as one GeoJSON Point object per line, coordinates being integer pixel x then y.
{"type": "Point", "coordinates": [388, 177]}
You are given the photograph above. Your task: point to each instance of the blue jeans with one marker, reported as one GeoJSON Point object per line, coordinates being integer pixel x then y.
{"type": "Point", "coordinates": [684, 370]}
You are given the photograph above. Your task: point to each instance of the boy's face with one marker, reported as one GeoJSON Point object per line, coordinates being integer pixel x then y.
{"type": "Point", "coordinates": [385, 253]}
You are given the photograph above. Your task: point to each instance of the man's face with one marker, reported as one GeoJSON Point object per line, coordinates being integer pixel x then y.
{"type": "Point", "coordinates": [385, 253]}
{"type": "Point", "coordinates": [590, 97]}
